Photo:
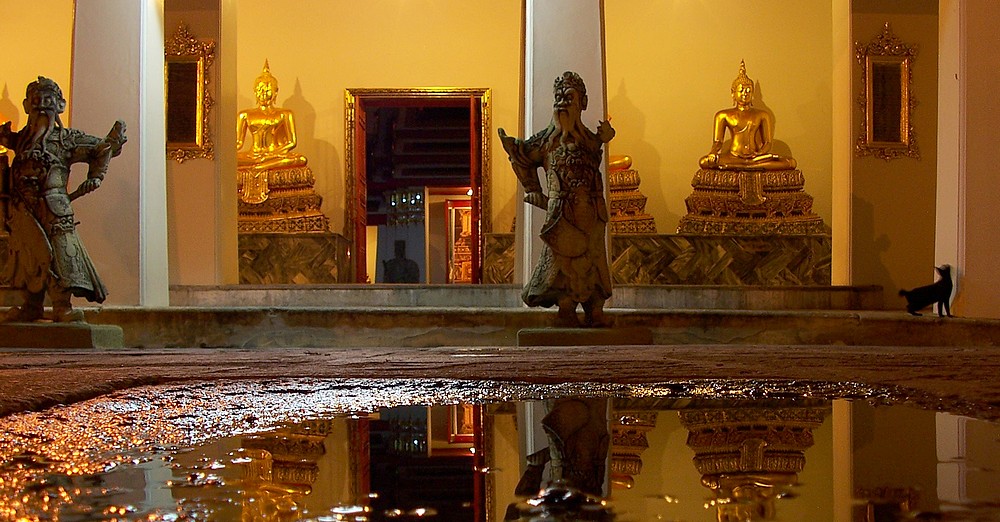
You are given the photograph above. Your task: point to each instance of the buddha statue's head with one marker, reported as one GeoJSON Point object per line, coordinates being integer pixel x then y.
{"type": "Point", "coordinates": [742, 87]}
{"type": "Point", "coordinates": [265, 87]}
{"type": "Point", "coordinates": [570, 93]}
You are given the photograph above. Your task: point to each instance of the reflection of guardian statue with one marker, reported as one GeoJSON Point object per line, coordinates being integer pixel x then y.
{"type": "Point", "coordinates": [573, 267]}
{"type": "Point", "coordinates": [46, 254]}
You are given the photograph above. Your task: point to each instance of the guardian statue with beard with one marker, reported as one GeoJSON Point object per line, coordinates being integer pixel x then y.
{"type": "Point", "coordinates": [573, 267]}
{"type": "Point", "coordinates": [46, 254]}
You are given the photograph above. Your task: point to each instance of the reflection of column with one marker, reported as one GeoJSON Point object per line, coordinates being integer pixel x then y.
{"type": "Point", "coordinates": [749, 454]}
{"type": "Point", "coordinates": [952, 466]}
{"type": "Point", "coordinates": [628, 441]}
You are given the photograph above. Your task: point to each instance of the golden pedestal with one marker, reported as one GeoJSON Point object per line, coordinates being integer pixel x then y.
{"type": "Point", "coordinates": [279, 201]}
{"type": "Point", "coordinates": [626, 204]}
{"type": "Point", "coordinates": [750, 203]}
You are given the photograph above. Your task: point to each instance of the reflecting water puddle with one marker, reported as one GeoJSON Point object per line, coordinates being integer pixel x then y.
{"type": "Point", "coordinates": [484, 451]}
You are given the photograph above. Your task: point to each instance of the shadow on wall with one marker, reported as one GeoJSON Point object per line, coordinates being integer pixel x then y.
{"type": "Point", "coordinates": [654, 183]}
{"type": "Point", "coordinates": [9, 110]}
{"type": "Point", "coordinates": [322, 155]}
{"type": "Point", "coordinates": [777, 146]}
{"type": "Point", "coordinates": [867, 266]}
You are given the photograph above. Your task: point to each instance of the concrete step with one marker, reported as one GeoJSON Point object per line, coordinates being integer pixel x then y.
{"type": "Point", "coordinates": [345, 327]}
{"type": "Point", "coordinates": [509, 296]}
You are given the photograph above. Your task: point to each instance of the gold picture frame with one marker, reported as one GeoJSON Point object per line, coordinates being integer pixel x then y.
{"type": "Point", "coordinates": [886, 97]}
{"type": "Point", "coordinates": [187, 94]}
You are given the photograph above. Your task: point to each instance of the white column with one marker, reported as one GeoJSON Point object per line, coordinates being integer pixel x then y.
{"type": "Point", "coordinates": [843, 141]}
{"type": "Point", "coordinates": [226, 244]}
{"type": "Point", "coordinates": [560, 35]}
{"type": "Point", "coordinates": [118, 74]}
{"type": "Point", "coordinates": [950, 216]}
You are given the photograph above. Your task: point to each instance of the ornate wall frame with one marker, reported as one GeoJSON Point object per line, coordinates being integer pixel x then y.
{"type": "Point", "coordinates": [187, 94]}
{"type": "Point", "coordinates": [886, 97]}
{"type": "Point", "coordinates": [355, 99]}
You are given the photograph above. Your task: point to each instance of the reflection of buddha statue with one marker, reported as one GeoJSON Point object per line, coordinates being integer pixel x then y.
{"type": "Point", "coordinates": [271, 128]}
{"type": "Point", "coordinates": [751, 130]}
{"type": "Point", "coordinates": [275, 185]}
{"type": "Point", "coordinates": [750, 453]}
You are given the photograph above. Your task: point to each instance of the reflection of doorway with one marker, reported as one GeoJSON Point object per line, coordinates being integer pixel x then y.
{"type": "Point", "coordinates": [425, 457]}
{"type": "Point", "coordinates": [402, 142]}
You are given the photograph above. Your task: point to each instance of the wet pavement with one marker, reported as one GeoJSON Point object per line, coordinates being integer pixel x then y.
{"type": "Point", "coordinates": [955, 379]}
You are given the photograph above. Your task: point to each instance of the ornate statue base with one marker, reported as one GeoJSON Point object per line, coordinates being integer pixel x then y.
{"type": "Point", "coordinates": [750, 203]}
{"type": "Point", "coordinates": [694, 259]}
{"type": "Point", "coordinates": [283, 236]}
{"type": "Point", "coordinates": [279, 201]}
{"type": "Point", "coordinates": [498, 259]}
{"type": "Point", "coordinates": [61, 335]}
{"type": "Point", "coordinates": [307, 258]}
{"type": "Point", "coordinates": [687, 259]}
{"type": "Point", "coordinates": [626, 205]}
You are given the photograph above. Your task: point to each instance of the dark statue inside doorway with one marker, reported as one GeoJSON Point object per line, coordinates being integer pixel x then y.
{"type": "Point", "coordinates": [573, 267]}
{"type": "Point", "coordinates": [46, 253]}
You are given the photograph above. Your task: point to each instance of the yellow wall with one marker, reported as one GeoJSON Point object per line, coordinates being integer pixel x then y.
{"type": "Point", "coordinates": [670, 66]}
{"type": "Point", "coordinates": [319, 48]}
{"type": "Point", "coordinates": [977, 285]}
{"type": "Point", "coordinates": [191, 185]}
{"type": "Point", "coordinates": [895, 447]}
{"type": "Point", "coordinates": [30, 52]}
{"type": "Point", "coordinates": [893, 202]}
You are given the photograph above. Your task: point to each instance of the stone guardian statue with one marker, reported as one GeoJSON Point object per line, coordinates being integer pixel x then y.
{"type": "Point", "coordinates": [46, 253]}
{"type": "Point", "coordinates": [573, 267]}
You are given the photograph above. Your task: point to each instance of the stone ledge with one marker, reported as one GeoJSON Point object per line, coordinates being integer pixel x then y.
{"type": "Point", "coordinates": [354, 327]}
{"type": "Point", "coordinates": [584, 336]}
{"type": "Point", "coordinates": [61, 335]}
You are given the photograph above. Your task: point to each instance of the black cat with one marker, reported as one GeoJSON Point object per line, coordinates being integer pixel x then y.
{"type": "Point", "coordinates": [924, 296]}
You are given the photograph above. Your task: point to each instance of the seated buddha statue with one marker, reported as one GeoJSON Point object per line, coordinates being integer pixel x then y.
{"type": "Point", "coordinates": [751, 131]}
{"type": "Point", "coordinates": [272, 130]}
{"type": "Point", "coordinates": [276, 187]}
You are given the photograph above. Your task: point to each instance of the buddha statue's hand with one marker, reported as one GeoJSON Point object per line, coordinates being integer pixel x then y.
{"type": "Point", "coordinates": [537, 199]}
{"type": "Point", "coordinates": [605, 132]}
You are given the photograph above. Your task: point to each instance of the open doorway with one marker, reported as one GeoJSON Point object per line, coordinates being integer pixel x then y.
{"type": "Point", "coordinates": [408, 149]}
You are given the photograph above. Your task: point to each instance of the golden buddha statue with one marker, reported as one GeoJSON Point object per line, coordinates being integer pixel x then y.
{"type": "Point", "coordinates": [275, 185]}
{"type": "Point", "coordinates": [751, 130]}
{"type": "Point", "coordinates": [271, 128]}
{"type": "Point", "coordinates": [745, 189]}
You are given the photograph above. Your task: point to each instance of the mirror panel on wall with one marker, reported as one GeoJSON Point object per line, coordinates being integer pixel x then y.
{"type": "Point", "coordinates": [188, 98]}
{"type": "Point", "coordinates": [886, 98]}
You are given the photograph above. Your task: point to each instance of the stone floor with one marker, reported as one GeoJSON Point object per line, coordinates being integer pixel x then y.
{"type": "Point", "coordinates": [961, 379]}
